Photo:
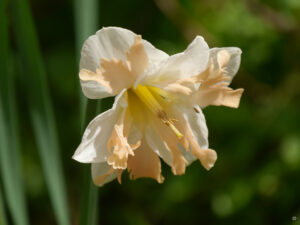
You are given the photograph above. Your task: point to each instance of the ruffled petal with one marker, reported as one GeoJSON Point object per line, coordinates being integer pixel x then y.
{"type": "Point", "coordinates": [214, 90]}
{"type": "Point", "coordinates": [137, 57]}
{"type": "Point", "coordinates": [119, 144]}
{"type": "Point", "coordinates": [93, 146]}
{"type": "Point", "coordinates": [197, 135]}
{"type": "Point", "coordinates": [234, 60]}
{"type": "Point", "coordinates": [188, 63]}
{"type": "Point", "coordinates": [114, 74]}
{"type": "Point", "coordinates": [196, 120]}
{"type": "Point", "coordinates": [145, 163]}
{"type": "Point", "coordinates": [193, 139]}
{"type": "Point", "coordinates": [110, 43]}
{"type": "Point", "coordinates": [103, 173]}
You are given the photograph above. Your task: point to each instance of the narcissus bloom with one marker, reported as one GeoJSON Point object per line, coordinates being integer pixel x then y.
{"type": "Point", "coordinates": [157, 109]}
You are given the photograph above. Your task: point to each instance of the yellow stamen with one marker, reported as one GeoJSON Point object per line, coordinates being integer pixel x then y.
{"type": "Point", "coordinates": [145, 95]}
{"type": "Point", "coordinates": [174, 129]}
{"type": "Point", "coordinates": [148, 99]}
{"type": "Point", "coordinates": [160, 92]}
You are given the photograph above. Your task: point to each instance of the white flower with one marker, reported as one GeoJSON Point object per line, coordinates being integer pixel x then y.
{"type": "Point", "coordinates": [157, 109]}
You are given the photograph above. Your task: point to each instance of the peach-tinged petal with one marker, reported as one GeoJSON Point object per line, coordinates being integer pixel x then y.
{"type": "Point", "coordinates": [120, 176]}
{"type": "Point", "coordinates": [183, 86]}
{"type": "Point", "coordinates": [214, 81]}
{"type": "Point", "coordinates": [188, 155]}
{"type": "Point", "coordinates": [118, 142]}
{"type": "Point", "coordinates": [103, 173]}
{"type": "Point", "coordinates": [207, 157]}
{"type": "Point", "coordinates": [223, 58]}
{"type": "Point", "coordinates": [218, 95]}
{"type": "Point", "coordinates": [189, 141]}
{"type": "Point", "coordinates": [145, 163]}
{"type": "Point", "coordinates": [116, 75]}
{"type": "Point", "coordinates": [231, 98]}
{"type": "Point", "coordinates": [137, 57]}
{"type": "Point", "coordinates": [93, 146]}
{"type": "Point", "coordinates": [233, 63]}
{"type": "Point", "coordinates": [110, 43]}
{"type": "Point", "coordinates": [197, 123]}
{"type": "Point", "coordinates": [113, 43]}
{"type": "Point", "coordinates": [170, 141]}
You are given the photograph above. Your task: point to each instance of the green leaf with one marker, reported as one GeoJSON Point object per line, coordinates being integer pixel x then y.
{"type": "Point", "coordinates": [86, 24]}
{"type": "Point", "coordinates": [3, 220]}
{"type": "Point", "coordinates": [9, 137]}
{"type": "Point", "coordinates": [86, 14]}
{"type": "Point", "coordinates": [40, 108]}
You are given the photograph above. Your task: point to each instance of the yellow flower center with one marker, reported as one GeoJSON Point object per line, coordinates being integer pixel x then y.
{"type": "Point", "coordinates": [148, 95]}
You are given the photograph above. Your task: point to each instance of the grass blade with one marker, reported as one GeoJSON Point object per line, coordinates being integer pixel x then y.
{"type": "Point", "coordinates": [3, 220]}
{"type": "Point", "coordinates": [40, 109]}
{"type": "Point", "coordinates": [86, 19]}
{"type": "Point", "coordinates": [89, 201]}
{"type": "Point", "coordinates": [9, 137]}
{"type": "Point", "coordinates": [86, 24]}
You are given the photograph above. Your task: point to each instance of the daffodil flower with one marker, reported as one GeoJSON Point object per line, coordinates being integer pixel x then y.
{"type": "Point", "coordinates": [157, 109]}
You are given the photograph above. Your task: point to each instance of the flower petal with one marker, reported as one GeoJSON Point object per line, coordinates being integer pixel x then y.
{"type": "Point", "coordinates": [188, 63]}
{"type": "Point", "coordinates": [196, 120]}
{"type": "Point", "coordinates": [215, 91]}
{"type": "Point", "coordinates": [233, 64]}
{"type": "Point", "coordinates": [110, 43]}
{"type": "Point", "coordinates": [157, 145]}
{"type": "Point", "coordinates": [145, 163]}
{"type": "Point", "coordinates": [137, 57]}
{"type": "Point", "coordinates": [103, 173]}
{"type": "Point", "coordinates": [171, 143]}
{"type": "Point", "coordinates": [116, 75]}
{"type": "Point", "coordinates": [93, 146]}
{"type": "Point", "coordinates": [198, 146]}
{"type": "Point", "coordinates": [118, 142]}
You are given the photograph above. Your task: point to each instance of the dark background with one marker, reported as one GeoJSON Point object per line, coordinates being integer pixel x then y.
{"type": "Point", "coordinates": [256, 177]}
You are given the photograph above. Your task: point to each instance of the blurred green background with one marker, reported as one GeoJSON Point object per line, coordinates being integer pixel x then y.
{"type": "Point", "coordinates": [43, 114]}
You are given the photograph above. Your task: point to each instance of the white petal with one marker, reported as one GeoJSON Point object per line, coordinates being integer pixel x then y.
{"type": "Point", "coordinates": [198, 126]}
{"type": "Point", "coordinates": [197, 123]}
{"type": "Point", "coordinates": [109, 43]}
{"type": "Point", "coordinates": [156, 144]}
{"type": "Point", "coordinates": [101, 169]}
{"type": "Point", "coordinates": [188, 155]}
{"type": "Point", "coordinates": [188, 63]}
{"type": "Point", "coordinates": [234, 62]}
{"type": "Point", "coordinates": [93, 146]}
{"type": "Point", "coordinates": [94, 90]}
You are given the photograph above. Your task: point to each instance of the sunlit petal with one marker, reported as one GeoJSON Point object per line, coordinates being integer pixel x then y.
{"type": "Point", "coordinates": [188, 63]}
{"type": "Point", "coordinates": [93, 146]}
{"type": "Point", "coordinates": [145, 163]}
{"type": "Point", "coordinates": [233, 64]}
{"type": "Point", "coordinates": [137, 57]}
{"type": "Point", "coordinates": [110, 43]}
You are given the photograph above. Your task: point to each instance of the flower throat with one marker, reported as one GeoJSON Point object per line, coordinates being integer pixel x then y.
{"type": "Point", "coordinates": [148, 95]}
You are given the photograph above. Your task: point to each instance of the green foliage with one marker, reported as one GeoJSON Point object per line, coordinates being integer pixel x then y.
{"type": "Point", "coordinates": [86, 13]}
{"type": "Point", "coordinates": [10, 163]}
{"type": "Point", "coordinates": [256, 177]}
{"type": "Point", "coordinates": [40, 108]}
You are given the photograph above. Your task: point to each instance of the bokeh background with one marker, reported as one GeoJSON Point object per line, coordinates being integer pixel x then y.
{"type": "Point", "coordinates": [256, 179]}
